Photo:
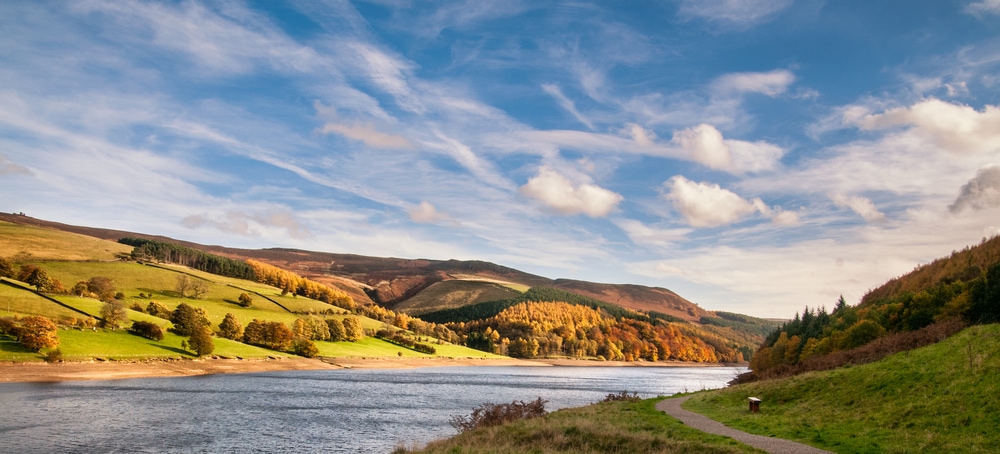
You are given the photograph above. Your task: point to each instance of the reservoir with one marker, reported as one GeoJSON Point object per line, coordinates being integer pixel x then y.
{"type": "Point", "coordinates": [350, 410]}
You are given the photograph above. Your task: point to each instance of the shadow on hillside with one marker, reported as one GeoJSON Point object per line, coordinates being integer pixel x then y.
{"type": "Point", "coordinates": [168, 348]}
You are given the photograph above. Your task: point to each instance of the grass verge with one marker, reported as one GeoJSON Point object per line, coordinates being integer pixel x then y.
{"type": "Point", "coordinates": [940, 398]}
{"type": "Point", "coordinates": [625, 427]}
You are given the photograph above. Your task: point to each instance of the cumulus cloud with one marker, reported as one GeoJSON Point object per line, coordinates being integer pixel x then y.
{"type": "Point", "coordinates": [426, 213]}
{"type": "Point", "coordinates": [709, 205]}
{"type": "Point", "coordinates": [771, 83]}
{"type": "Point", "coordinates": [244, 224]}
{"type": "Point", "coordinates": [558, 192]}
{"type": "Point", "coordinates": [368, 134]}
{"type": "Point", "coordinates": [738, 13]}
{"type": "Point", "coordinates": [641, 136]}
{"type": "Point", "coordinates": [981, 192]}
{"type": "Point", "coordinates": [957, 128]}
{"type": "Point", "coordinates": [860, 205]}
{"type": "Point", "coordinates": [704, 144]}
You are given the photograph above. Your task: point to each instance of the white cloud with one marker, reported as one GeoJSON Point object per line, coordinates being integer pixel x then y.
{"type": "Point", "coordinates": [981, 192]}
{"type": "Point", "coordinates": [771, 83]}
{"type": "Point", "coordinates": [957, 128]}
{"type": "Point", "coordinates": [642, 136]}
{"type": "Point", "coordinates": [705, 144]}
{"type": "Point", "coordinates": [249, 224]}
{"type": "Point", "coordinates": [786, 218]}
{"type": "Point", "coordinates": [645, 235]}
{"type": "Point", "coordinates": [567, 104]}
{"type": "Point", "coordinates": [738, 13]}
{"type": "Point", "coordinates": [8, 167]}
{"type": "Point", "coordinates": [426, 213]}
{"type": "Point", "coordinates": [709, 205]}
{"type": "Point", "coordinates": [559, 193]}
{"type": "Point", "coordinates": [983, 7]}
{"type": "Point", "coordinates": [368, 134]}
{"type": "Point", "coordinates": [860, 205]}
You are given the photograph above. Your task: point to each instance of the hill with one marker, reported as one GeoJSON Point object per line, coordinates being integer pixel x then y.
{"type": "Point", "coordinates": [939, 398]}
{"type": "Point", "coordinates": [963, 288]}
{"type": "Point", "coordinates": [390, 282]}
{"type": "Point", "coordinates": [152, 293]}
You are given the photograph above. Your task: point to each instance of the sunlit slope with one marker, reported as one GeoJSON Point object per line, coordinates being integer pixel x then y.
{"type": "Point", "coordinates": [144, 284]}
{"type": "Point", "coordinates": [939, 398]}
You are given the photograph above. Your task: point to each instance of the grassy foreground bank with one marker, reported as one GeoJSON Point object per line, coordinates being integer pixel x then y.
{"type": "Point", "coordinates": [626, 427]}
{"type": "Point", "coordinates": [940, 398]}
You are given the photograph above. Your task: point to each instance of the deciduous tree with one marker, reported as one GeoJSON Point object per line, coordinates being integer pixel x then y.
{"type": "Point", "coordinates": [231, 328]}
{"type": "Point", "coordinates": [353, 332]}
{"type": "Point", "coordinates": [37, 332]}
{"type": "Point", "coordinates": [201, 341]}
{"type": "Point", "coordinates": [114, 314]}
{"type": "Point", "coordinates": [185, 318]}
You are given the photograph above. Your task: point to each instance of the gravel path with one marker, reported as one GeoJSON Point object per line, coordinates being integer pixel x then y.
{"type": "Point", "coordinates": [773, 445]}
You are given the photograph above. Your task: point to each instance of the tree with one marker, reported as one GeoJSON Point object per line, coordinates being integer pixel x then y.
{"type": "Point", "coordinates": [353, 332]}
{"type": "Point", "coordinates": [37, 332]}
{"type": "Point", "coordinates": [273, 335]}
{"type": "Point", "coordinates": [185, 318]}
{"type": "Point", "coordinates": [304, 347]}
{"type": "Point", "coordinates": [183, 285]}
{"type": "Point", "coordinates": [337, 332]}
{"type": "Point", "coordinates": [199, 289]}
{"type": "Point", "coordinates": [231, 328]}
{"type": "Point", "coordinates": [201, 341]}
{"type": "Point", "coordinates": [39, 279]}
{"type": "Point", "coordinates": [103, 287]}
{"type": "Point", "coordinates": [6, 268]}
{"type": "Point", "coordinates": [114, 314]}
{"type": "Point", "coordinates": [157, 309]}
{"type": "Point", "coordinates": [149, 330]}
{"type": "Point", "coordinates": [246, 300]}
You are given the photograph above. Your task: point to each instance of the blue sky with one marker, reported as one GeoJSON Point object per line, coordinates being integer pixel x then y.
{"type": "Point", "coordinates": [754, 156]}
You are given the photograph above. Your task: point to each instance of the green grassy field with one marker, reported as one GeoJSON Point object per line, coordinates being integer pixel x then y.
{"type": "Point", "coordinates": [940, 398]}
{"type": "Point", "coordinates": [622, 427]}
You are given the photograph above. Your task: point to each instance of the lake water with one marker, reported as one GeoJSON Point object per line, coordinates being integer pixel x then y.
{"type": "Point", "coordinates": [303, 411]}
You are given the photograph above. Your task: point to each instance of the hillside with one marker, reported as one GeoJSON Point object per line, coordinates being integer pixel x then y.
{"type": "Point", "coordinates": [390, 282]}
{"type": "Point", "coordinates": [81, 273]}
{"type": "Point", "coordinates": [963, 289]}
{"type": "Point", "coordinates": [939, 398]}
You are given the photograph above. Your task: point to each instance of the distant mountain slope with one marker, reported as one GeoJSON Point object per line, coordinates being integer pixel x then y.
{"type": "Point", "coordinates": [453, 294]}
{"type": "Point", "coordinates": [636, 297]}
{"type": "Point", "coordinates": [392, 282]}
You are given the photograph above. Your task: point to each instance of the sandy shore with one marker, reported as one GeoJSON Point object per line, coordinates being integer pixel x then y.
{"type": "Point", "coordinates": [114, 370]}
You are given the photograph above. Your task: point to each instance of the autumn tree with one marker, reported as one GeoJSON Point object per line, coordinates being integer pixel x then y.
{"type": "Point", "coordinates": [304, 347]}
{"type": "Point", "coordinates": [158, 309]}
{"type": "Point", "coordinates": [246, 300]}
{"type": "Point", "coordinates": [201, 340]}
{"type": "Point", "coordinates": [7, 268]}
{"type": "Point", "coordinates": [37, 332]}
{"type": "Point", "coordinates": [185, 318]}
{"type": "Point", "coordinates": [336, 328]}
{"type": "Point", "coordinates": [149, 330]}
{"type": "Point", "coordinates": [231, 328]}
{"type": "Point", "coordinates": [114, 314]}
{"type": "Point", "coordinates": [39, 278]}
{"type": "Point", "coordinates": [273, 335]}
{"type": "Point", "coordinates": [102, 287]}
{"type": "Point", "coordinates": [353, 332]}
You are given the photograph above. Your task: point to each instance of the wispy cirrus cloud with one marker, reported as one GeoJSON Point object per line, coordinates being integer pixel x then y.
{"type": "Point", "coordinates": [740, 14]}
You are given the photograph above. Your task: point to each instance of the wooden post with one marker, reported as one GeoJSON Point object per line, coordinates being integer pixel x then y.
{"type": "Point", "coordinates": [754, 405]}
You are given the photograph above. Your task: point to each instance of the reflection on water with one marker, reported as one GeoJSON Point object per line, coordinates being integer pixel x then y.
{"type": "Point", "coordinates": [330, 411]}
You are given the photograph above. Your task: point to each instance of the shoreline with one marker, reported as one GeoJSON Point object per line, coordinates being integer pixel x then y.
{"type": "Point", "coordinates": [40, 372]}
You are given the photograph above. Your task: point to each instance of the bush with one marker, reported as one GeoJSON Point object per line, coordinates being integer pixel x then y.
{"type": "Point", "coordinates": [149, 330]}
{"type": "Point", "coordinates": [36, 333]}
{"type": "Point", "coordinates": [488, 415]}
{"type": "Point", "coordinates": [246, 300]}
{"type": "Point", "coordinates": [157, 309]}
{"type": "Point", "coordinates": [622, 396]}
{"type": "Point", "coordinates": [54, 356]}
{"type": "Point", "coordinates": [114, 314]}
{"type": "Point", "coordinates": [304, 347]}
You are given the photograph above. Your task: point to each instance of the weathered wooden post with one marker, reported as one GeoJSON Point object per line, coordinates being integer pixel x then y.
{"type": "Point", "coordinates": [754, 405]}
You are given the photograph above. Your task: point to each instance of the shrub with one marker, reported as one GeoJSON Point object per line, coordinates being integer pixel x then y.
{"type": "Point", "coordinates": [488, 415]}
{"type": "Point", "coordinates": [157, 309]}
{"type": "Point", "coordinates": [149, 330]}
{"type": "Point", "coordinates": [304, 347]}
{"type": "Point", "coordinates": [246, 300]}
{"type": "Point", "coordinates": [622, 396]}
{"type": "Point", "coordinates": [54, 356]}
{"type": "Point", "coordinates": [137, 307]}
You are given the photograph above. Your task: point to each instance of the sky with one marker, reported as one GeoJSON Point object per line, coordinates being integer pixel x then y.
{"type": "Point", "coordinates": [754, 156]}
